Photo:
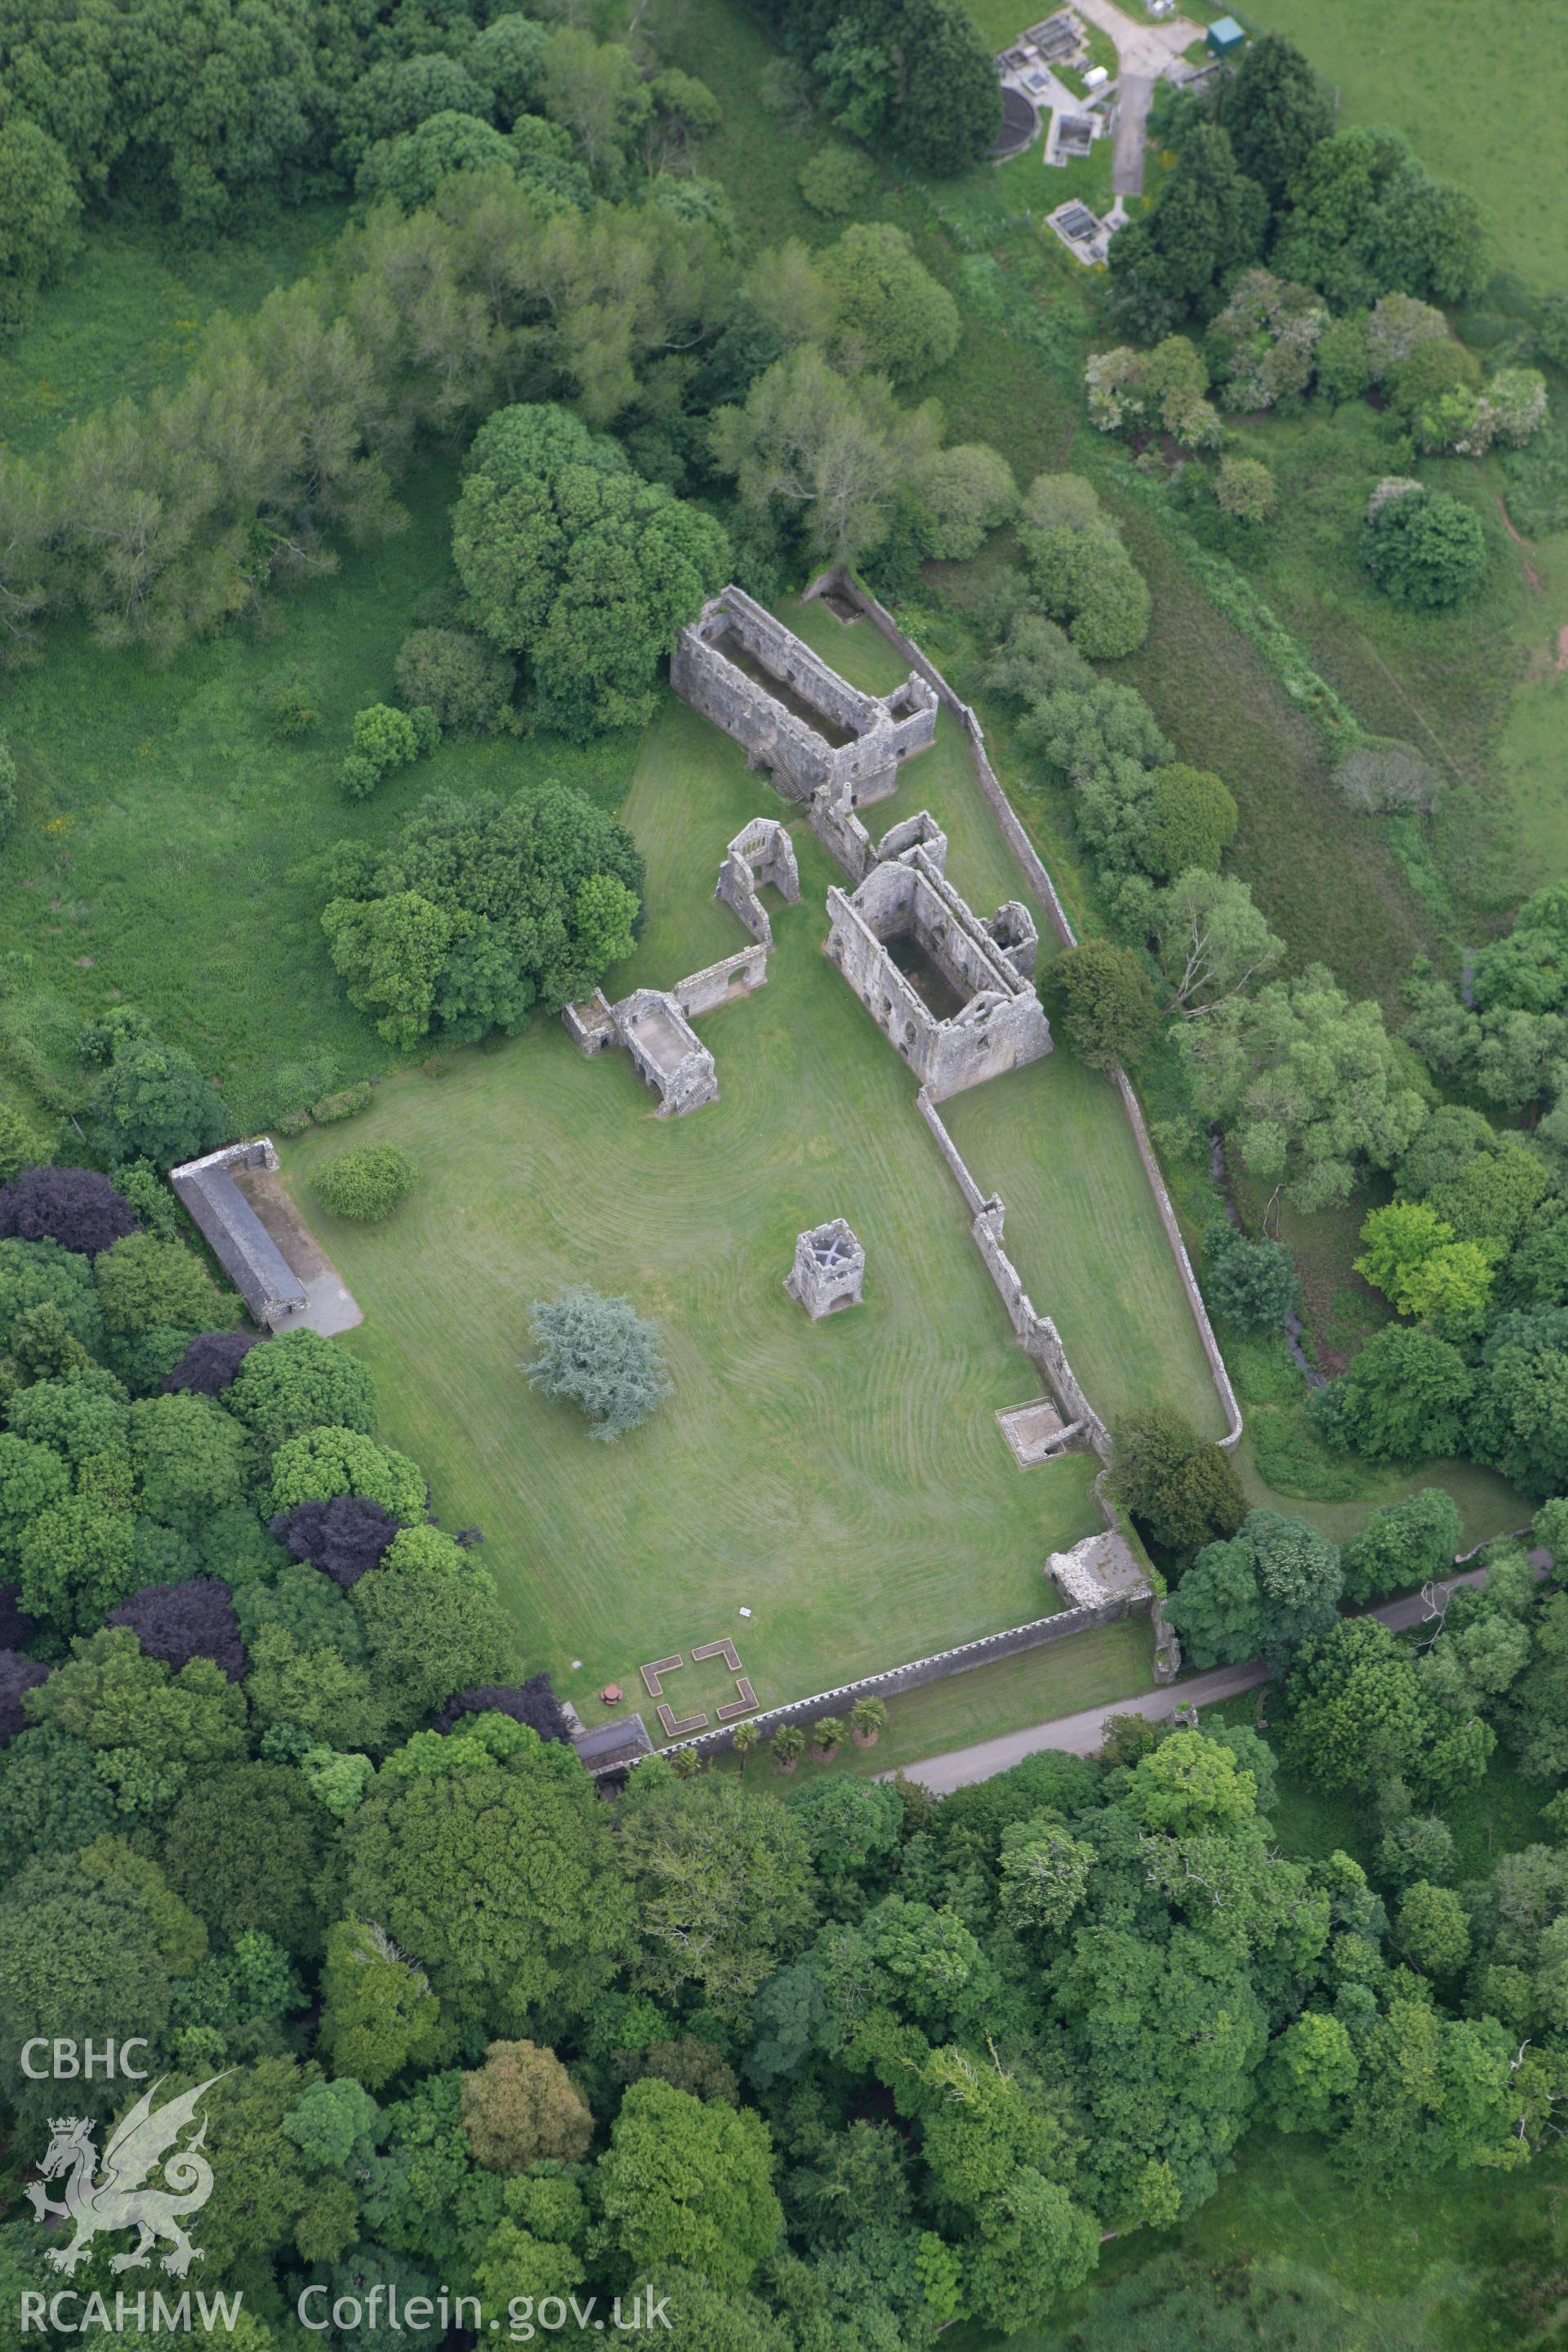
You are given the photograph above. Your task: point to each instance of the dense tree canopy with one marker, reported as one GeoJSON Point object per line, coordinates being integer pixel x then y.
{"type": "Point", "coordinates": [493, 1863]}
{"type": "Point", "coordinates": [1308, 1084]}
{"type": "Point", "coordinates": [914, 75]}
{"type": "Point", "coordinates": [483, 907]}
{"type": "Point", "coordinates": [574, 563]}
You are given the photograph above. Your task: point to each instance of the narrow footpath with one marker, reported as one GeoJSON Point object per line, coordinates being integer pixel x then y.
{"type": "Point", "coordinates": [1082, 1735]}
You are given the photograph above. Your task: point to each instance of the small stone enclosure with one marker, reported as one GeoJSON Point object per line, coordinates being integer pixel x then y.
{"type": "Point", "coordinates": [653, 1026]}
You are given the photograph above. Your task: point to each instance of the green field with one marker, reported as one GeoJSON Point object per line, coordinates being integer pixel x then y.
{"type": "Point", "coordinates": [1462, 2261]}
{"type": "Point", "coordinates": [126, 317]}
{"type": "Point", "coordinates": [164, 834]}
{"type": "Point", "coordinates": [847, 1482]}
{"type": "Point", "coordinates": [1480, 95]}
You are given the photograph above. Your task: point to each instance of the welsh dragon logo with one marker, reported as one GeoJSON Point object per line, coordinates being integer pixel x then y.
{"type": "Point", "coordinates": [120, 2200]}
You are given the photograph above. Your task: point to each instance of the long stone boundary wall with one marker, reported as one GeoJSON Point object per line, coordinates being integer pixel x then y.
{"type": "Point", "coordinates": [1035, 1333]}
{"type": "Point", "coordinates": [847, 587]}
{"type": "Point", "coordinates": [887, 1685]}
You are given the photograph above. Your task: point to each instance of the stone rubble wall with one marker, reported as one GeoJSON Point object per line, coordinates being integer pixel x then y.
{"type": "Point", "coordinates": [844, 585]}
{"type": "Point", "coordinates": [841, 834]}
{"type": "Point", "coordinates": [1035, 1333]}
{"type": "Point", "coordinates": [935, 1668]}
{"type": "Point", "coordinates": [761, 853]}
{"type": "Point", "coordinates": [920, 832]}
{"type": "Point", "coordinates": [716, 983]}
{"type": "Point", "coordinates": [591, 1025]}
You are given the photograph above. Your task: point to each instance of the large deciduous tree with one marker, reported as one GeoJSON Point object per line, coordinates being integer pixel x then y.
{"type": "Point", "coordinates": [1359, 1713]}
{"type": "Point", "coordinates": [690, 2182]}
{"type": "Point", "coordinates": [1424, 547]}
{"type": "Point", "coordinates": [571, 561]}
{"type": "Point", "coordinates": [890, 316]}
{"type": "Point", "coordinates": [1083, 574]}
{"type": "Point", "coordinates": [482, 908]}
{"type": "Point", "coordinates": [86, 1936]}
{"type": "Point", "coordinates": [299, 1381]}
{"type": "Point", "coordinates": [1273, 1585]}
{"type": "Point", "coordinates": [826, 458]}
{"type": "Point", "coordinates": [496, 1876]}
{"type": "Point", "coordinates": [74, 1206]}
{"type": "Point", "coordinates": [1404, 1399]}
{"type": "Point", "coordinates": [722, 1885]}
{"type": "Point", "coordinates": [520, 2106]}
{"type": "Point", "coordinates": [323, 1463]}
{"type": "Point", "coordinates": [153, 1103]}
{"type": "Point", "coordinates": [1307, 1085]}
{"type": "Point", "coordinates": [1403, 1545]}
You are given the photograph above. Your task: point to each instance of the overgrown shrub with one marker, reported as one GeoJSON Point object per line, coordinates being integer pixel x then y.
{"type": "Point", "coordinates": [1423, 547]}
{"type": "Point", "coordinates": [1245, 489]}
{"type": "Point", "coordinates": [20, 1146]}
{"type": "Point", "coordinates": [290, 707]}
{"type": "Point", "coordinates": [1381, 775]}
{"type": "Point", "coordinates": [835, 179]}
{"type": "Point", "coordinates": [1083, 573]}
{"type": "Point", "coordinates": [368, 1183]}
{"type": "Point", "coordinates": [961, 494]}
{"type": "Point", "coordinates": [466, 684]}
{"type": "Point", "coordinates": [386, 740]}
{"type": "Point", "coordinates": [342, 1104]}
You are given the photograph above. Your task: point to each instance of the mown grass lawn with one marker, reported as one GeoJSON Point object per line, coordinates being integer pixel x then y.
{"type": "Point", "coordinates": [847, 1482]}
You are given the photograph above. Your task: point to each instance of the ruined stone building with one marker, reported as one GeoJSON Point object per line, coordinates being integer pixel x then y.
{"type": "Point", "coordinates": [761, 853]}
{"type": "Point", "coordinates": [954, 992]}
{"type": "Point", "coordinates": [653, 1026]}
{"type": "Point", "coordinates": [790, 712]}
{"type": "Point", "coordinates": [828, 1272]}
